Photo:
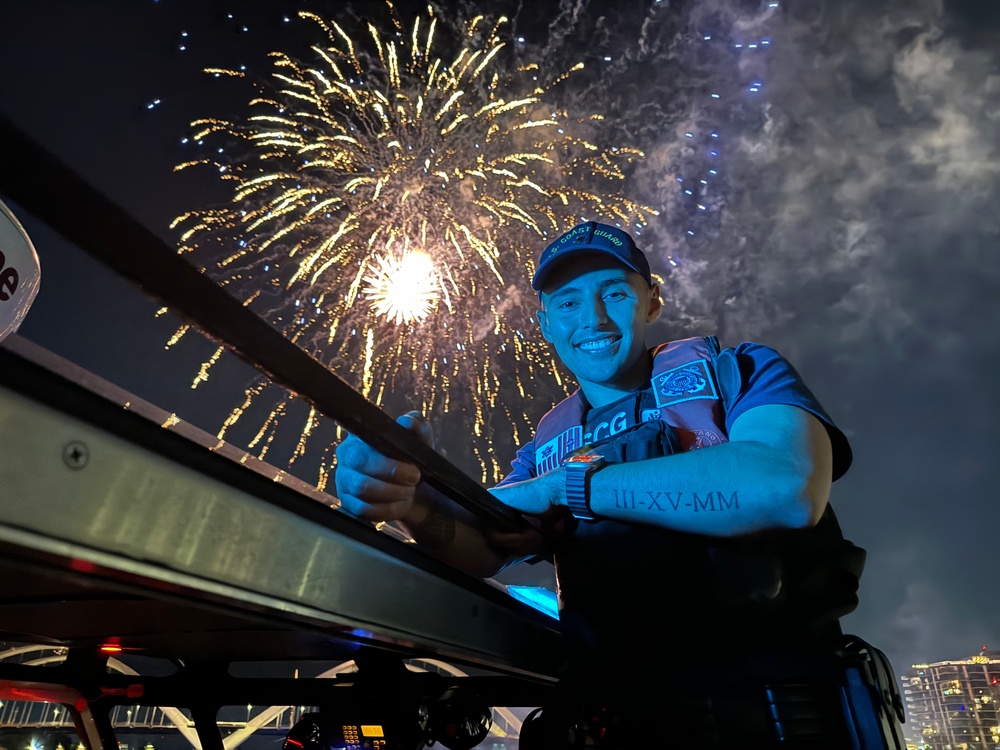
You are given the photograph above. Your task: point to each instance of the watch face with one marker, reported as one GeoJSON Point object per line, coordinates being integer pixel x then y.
{"type": "Point", "coordinates": [587, 459]}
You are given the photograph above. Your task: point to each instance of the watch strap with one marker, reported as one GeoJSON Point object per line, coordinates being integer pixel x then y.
{"type": "Point", "coordinates": [578, 486]}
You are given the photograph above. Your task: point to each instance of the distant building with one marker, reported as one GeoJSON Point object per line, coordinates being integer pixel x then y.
{"type": "Point", "coordinates": [954, 705]}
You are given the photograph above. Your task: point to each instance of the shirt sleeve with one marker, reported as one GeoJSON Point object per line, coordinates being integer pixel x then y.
{"type": "Point", "coordinates": [523, 465]}
{"type": "Point", "coordinates": [768, 378]}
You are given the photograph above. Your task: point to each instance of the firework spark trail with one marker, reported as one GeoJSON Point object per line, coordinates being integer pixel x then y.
{"type": "Point", "coordinates": [383, 153]}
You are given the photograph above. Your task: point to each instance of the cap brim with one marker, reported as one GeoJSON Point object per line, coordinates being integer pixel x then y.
{"type": "Point", "coordinates": [546, 269]}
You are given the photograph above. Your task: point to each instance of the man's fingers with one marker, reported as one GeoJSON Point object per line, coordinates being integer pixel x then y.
{"type": "Point", "coordinates": [373, 486]}
{"type": "Point", "coordinates": [360, 458]}
{"type": "Point", "coordinates": [370, 489]}
{"type": "Point", "coordinates": [418, 423]}
{"type": "Point", "coordinates": [384, 509]}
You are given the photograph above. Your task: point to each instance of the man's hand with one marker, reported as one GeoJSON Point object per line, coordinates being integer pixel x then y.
{"type": "Point", "coordinates": [373, 486]}
{"type": "Point", "coordinates": [543, 501]}
{"type": "Point", "coordinates": [376, 488]}
{"type": "Point", "coordinates": [540, 496]}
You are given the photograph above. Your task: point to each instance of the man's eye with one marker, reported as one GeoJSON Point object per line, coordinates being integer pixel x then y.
{"type": "Point", "coordinates": [614, 295]}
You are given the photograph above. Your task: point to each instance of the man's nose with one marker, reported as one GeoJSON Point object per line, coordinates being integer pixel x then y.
{"type": "Point", "coordinates": [594, 313]}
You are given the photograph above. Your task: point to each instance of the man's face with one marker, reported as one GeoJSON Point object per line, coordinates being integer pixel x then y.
{"type": "Point", "coordinates": [595, 312]}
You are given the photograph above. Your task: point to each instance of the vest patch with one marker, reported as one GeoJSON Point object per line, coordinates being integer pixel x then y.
{"type": "Point", "coordinates": [551, 454]}
{"type": "Point", "coordinates": [686, 382]}
{"type": "Point", "coordinates": [648, 415]}
{"type": "Point", "coordinates": [705, 438]}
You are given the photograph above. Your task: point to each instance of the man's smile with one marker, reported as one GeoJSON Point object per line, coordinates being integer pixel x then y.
{"type": "Point", "coordinates": [599, 344]}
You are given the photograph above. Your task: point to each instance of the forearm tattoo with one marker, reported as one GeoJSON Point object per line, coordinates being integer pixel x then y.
{"type": "Point", "coordinates": [666, 502]}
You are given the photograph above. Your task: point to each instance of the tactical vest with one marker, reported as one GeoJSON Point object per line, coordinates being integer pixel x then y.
{"type": "Point", "coordinates": [687, 394]}
{"type": "Point", "coordinates": [771, 581]}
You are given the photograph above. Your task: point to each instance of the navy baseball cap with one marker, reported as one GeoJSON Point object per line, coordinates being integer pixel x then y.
{"type": "Point", "coordinates": [592, 237]}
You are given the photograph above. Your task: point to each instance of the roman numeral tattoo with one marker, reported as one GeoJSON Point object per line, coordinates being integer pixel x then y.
{"type": "Point", "coordinates": [674, 501]}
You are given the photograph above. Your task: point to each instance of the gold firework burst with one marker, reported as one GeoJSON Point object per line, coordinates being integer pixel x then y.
{"type": "Point", "coordinates": [383, 146]}
{"type": "Point", "coordinates": [403, 289]}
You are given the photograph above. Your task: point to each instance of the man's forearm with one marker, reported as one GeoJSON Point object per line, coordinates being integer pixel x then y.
{"type": "Point", "coordinates": [732, 489]}
{"type": "Point", "coordinates": [451, 534]}
{"type": "Point", "coordinates": [431, 522]}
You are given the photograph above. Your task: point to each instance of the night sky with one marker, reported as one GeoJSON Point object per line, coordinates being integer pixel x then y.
{"type": "Point", "coordinates": [854, 228]}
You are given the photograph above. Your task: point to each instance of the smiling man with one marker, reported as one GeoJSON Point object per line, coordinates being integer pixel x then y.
{"type": "Point", "coordinates": [682, 495]}
{"type": "Point", "coordinates": [607, 357]}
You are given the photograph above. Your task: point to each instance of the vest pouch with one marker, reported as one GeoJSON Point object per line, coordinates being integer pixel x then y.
{"type": "Point", "coordinates": [871, 697]}
{"type": "Point", "coordinates": [825, 569]}
{"type": "Point", "coordinates": [747, 574]}
{"type": "Point", "coordinates": [645, 440]}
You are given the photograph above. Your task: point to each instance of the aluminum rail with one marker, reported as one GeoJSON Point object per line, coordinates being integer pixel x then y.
{"type": "Point", "coordinates": [98, 490]}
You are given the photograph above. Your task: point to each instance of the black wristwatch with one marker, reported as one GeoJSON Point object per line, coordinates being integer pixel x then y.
{"type": "Point", "coordinates": [578, 471]}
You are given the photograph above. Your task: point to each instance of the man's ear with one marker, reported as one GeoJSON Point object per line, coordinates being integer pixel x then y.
{"type": "Point", "coordinates": [655, 305]}
{"type": "Point", "coordinates": [543, 324]}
